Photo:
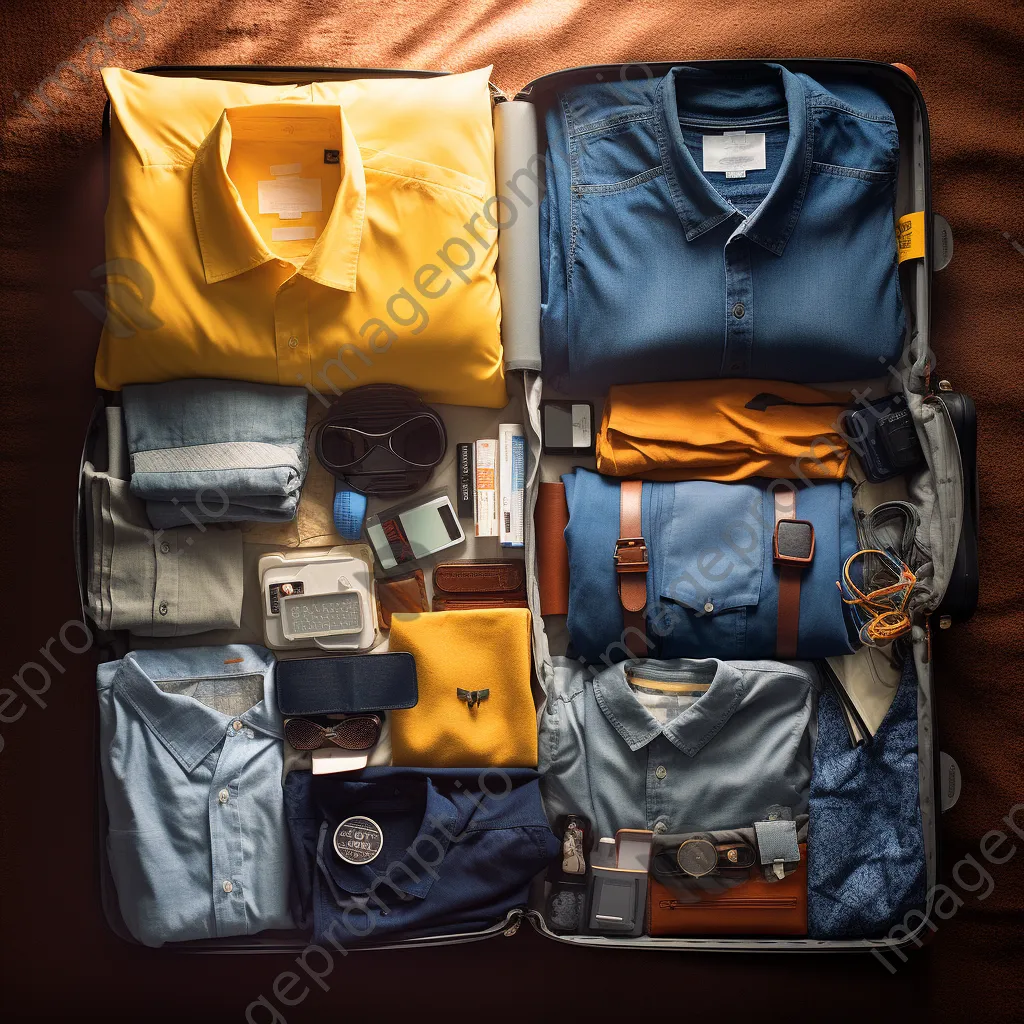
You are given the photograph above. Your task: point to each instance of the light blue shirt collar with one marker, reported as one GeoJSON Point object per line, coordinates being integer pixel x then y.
{"type": "Point", "coordinates": [692, 728]}
{"type": "Point", "coordinates": [189, 729]}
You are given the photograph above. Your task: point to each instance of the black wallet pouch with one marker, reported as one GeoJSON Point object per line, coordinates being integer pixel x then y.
{"type": "Point", "coordinates": [350, 685]}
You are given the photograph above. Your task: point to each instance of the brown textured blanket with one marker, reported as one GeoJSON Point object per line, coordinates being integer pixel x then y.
{"type": "Point", "coordinates": [59, 961]}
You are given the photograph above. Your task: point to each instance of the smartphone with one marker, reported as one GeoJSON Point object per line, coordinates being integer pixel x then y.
{"type": "Point", "coordinates": [406, 533]}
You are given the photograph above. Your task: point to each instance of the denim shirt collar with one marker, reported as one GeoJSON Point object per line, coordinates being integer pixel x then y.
{"type": "Point", "coordinates": [700, 206]}
{"type": "Point", "coordinates": [188, 728]}
{"type": "Point", "coordinates": [692, 728]}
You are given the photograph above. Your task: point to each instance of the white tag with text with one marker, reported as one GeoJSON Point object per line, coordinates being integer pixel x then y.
{"type": "Point", "coordinates": [735, 153]}
{"type": "Point", "coordinates": [290, 198]}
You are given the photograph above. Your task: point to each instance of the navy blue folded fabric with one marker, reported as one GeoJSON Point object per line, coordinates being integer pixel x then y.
{"type": "Point", "coordinates": [865, 843]}
{"type": "Point", "coordinates": [459, 848]}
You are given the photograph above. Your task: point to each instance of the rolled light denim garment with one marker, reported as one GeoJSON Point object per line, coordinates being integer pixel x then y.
{"type": "Point", "coordinates": [459, 848]}
{"type": "Point", "coordinates": [865, 843]}
{"type": "Point", "coordinates": [653, 269]}
{"type": "Point", "coordinates": [192, 754]}
{"type": "Point", "coordinates": [712, 586]}
{"type": "Point", "coordinates": [216, 451]}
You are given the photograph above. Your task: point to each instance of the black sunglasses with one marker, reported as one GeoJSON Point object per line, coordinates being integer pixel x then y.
{"type": "Point", "coordinates": [419, 441]}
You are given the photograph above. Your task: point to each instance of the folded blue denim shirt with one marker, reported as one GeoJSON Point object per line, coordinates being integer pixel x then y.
{"type": "Point", "coordinates": [191, 752]}
{"type": "Point", "coordinates": [712, 585]}
{"type": "Point", "coordinates": [459, 850]}
{"type": "Point", "coordinates": [865, 843]}
{"type": "Point", "coordinates": [216, 451]}
{"type": "Point", "coordinates": [654, 269]}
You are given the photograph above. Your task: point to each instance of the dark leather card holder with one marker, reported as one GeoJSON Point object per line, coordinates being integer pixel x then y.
{"type": "Point", "coordinates": [347, 684]}
{"type": "Point", "coordinates": [500, 577]}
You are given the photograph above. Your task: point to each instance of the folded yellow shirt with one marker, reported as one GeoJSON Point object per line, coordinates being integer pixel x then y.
{"type": "Point", "coordinates": [487, 649]}
{"type": "Point", "coordinates": [329, 235]}
{"type": "Point", "coordinates": [722, 430]}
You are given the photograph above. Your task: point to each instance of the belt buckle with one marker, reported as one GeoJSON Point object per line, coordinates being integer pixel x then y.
{"type": "Point", "coordinates": [630, 555]}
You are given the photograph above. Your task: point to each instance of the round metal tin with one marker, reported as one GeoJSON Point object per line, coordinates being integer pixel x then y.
{"type": "Point", "coordinates": [358, 840]}
{"type": "Point", "coordinates": [697, 857]}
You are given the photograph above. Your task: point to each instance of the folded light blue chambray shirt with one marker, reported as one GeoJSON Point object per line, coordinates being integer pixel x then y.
{"type": "Point", "coordinates": [216, 451]}
{"type": "Point", "coordinates": [654, 756]}
{"type": "Point", "coordinates": [192, 756]}
{"type": "Point", "coordinates": [658, 263]}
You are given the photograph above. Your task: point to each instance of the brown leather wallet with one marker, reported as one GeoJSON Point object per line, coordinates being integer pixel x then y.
{"type": "Point", "coordinates": [550, 518]}
{"type": "Point", "coordinates": [479, 583]}
{"type": "Point", "coordinates": [401, 594]}
{"type": "Point", "coordinates": [728, 907]}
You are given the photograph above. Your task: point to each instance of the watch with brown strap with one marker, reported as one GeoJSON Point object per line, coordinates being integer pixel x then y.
{"type": "Point", "coordinates": [793, 551]}
{"type": "Point", "coordinates": [631, 565]}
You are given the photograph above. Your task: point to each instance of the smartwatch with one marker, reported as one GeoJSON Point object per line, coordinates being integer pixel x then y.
{"type": "Point", "coordinates": [793, 543]}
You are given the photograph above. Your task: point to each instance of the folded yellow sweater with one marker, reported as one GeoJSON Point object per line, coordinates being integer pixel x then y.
{"type": "Point", "coordinates": [723, 430]}
{"type": "Point", "coordinates": [485, 649]}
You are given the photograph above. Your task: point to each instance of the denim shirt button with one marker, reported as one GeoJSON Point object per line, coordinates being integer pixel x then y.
{"type": "Point", "coordinates": [163, 608]}
{"type": "Point", "coordinates": [165, 547]}
{"type": "Point", "coordinates": [738, 310]}
{"type": "Point", "coordinates": [661, 771]}
{"type": "Point", "coordinates": [661, 828]}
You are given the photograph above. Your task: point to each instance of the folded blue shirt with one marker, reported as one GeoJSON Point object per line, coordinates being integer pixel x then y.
{"type": "Point", "coordinates": [865, 842]}
{"type": "Point", "coordinates": [460, 847]}
{"type": "Point", "coordinates": [658, 265]}
{"type": "Point", "coordinates": [216, 451]}
{"type": "Point", "coordinates": [191, 753]}
{"type": "Point", "coordinates": [712, 586]}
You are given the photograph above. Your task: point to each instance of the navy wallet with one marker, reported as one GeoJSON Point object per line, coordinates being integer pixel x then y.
{"type": "Point", "coordinates": [346, 685]}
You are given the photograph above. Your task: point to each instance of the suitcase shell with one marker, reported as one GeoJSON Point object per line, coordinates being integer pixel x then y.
{"type": "Point", "coordinates": [961, 597]}
{"type": "Point", "coordinates": [939, 489]}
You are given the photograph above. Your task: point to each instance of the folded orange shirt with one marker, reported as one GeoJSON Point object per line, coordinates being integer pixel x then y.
{"type": "Point", "coordinates": [722, 430]}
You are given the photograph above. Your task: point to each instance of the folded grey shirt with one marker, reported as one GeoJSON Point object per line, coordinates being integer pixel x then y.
{"type": "Point", "coordinates": [152, 582]}
{"type": "Point", "coordinates": [642, 745]}
{"type": "Point", "coordinates": [216, 451]}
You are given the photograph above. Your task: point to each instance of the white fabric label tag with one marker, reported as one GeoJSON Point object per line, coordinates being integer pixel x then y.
{"type": "Point", "coordinates": [291, 234]}
{"type": "Point", "coordinates": [290, 198]}
{"type": "Point", "coordinates": [278, 170]}
{"type": "Point", "coordinates": [582, 429]}
{"type": "Point", "coordinates": [735, 153]}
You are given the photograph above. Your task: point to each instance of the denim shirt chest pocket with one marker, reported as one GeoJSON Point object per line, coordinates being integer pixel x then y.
{"type": "Point", "coordinates": [707, 562]}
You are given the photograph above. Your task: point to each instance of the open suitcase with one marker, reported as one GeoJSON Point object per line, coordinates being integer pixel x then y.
{"type": "Point", "coordinates": [943, 492]}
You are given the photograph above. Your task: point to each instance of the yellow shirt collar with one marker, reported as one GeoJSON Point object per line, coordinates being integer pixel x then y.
{"type": "Point", "coordinates": [228, 239]}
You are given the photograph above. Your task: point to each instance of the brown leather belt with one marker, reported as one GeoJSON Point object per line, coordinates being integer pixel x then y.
{"type": "Point", "coordinates": [791, 571]}
{"type": "Point", "coordinates": [631, 566]}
